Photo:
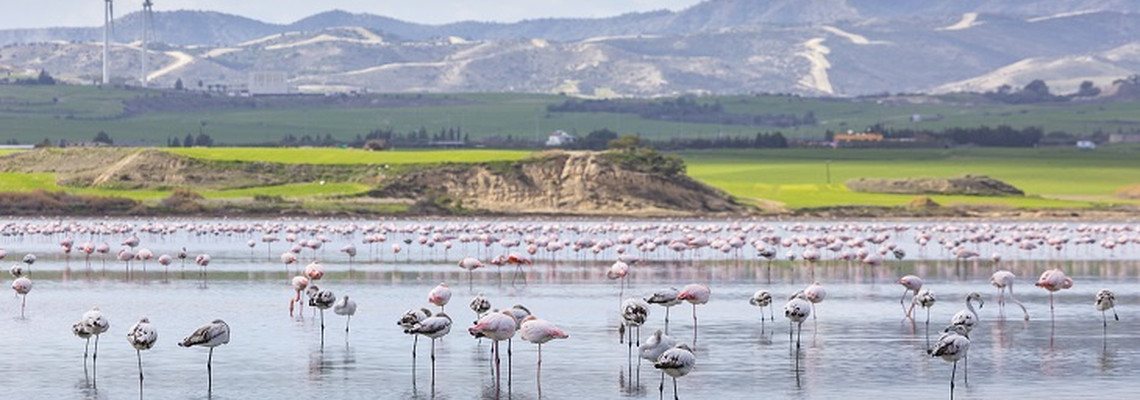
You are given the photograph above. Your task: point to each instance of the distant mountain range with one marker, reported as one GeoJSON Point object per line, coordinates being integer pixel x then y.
{"type": "Point", "coordinates": [828, 47]}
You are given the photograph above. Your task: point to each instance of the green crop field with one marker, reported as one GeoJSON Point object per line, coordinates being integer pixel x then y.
{"type": "Point", "coordinates": [18, 182]}
{"type": "Point", "coordinates": [30, 114]}
{"type": "Point", "coordinates": [347, 156]}
{"type": "Point", "coordinates": [1051, 178]}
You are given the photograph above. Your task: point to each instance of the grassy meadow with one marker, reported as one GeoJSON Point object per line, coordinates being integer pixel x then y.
{"type": "Point", "coordinates": [797, 178]}
{"type": "Point", "coordinates": [31, 114]}
{"type": "Point", "coordinates": [346, 156]}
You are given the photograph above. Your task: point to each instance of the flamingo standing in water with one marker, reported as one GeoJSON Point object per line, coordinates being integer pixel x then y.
{"type": "Point", "coordinates": [634, 312]}
{"type": "Point", "coordinates": [796, 311]}
{"type": "Point", "coordinates": [968, 318]}
{"type": "Point", "coordinates": [409, 320]}
{"type": "Point", "coordinates": [93, 323]}
{"type": "Point", "coordinates": [540, 331]}
{"type": "Point", "coordinates": [925, 298]}
{"type": "Point", "coordinates": [815, 294]}
{"type": "Point", "coordinates": [165, 260]}
{"type": "Point", "coordinates": [323, 301]}
{"type": "Point", "coordinates": [434, 327]}
{"type": "Point", "coordinates": [498, 327]}
{"type": "Point", "coordinates": [203, 260]}
{"type": "Point", "coordinates": [951, 347]}
{"type": "Point", "coordinates": [667, 298]}
{"type": "Point", "coordinates": [211, 335]}
{"type": "Point", "coordinates": [676, 362]}
{"type": "Point", "coordinates": [347, 308]}
{"type": "Point", "coordinates": [763, 299]}
{"type": "Point", "coordinates": [350, 249]}
{"type": "Point", "coordinates": [470, 264]}
{"type": "Point", "coordinates": [1053, 280]}
{"type": "Point", "coordinates": [479, 304]}
{"type": "Point", "coordinates": [288, 258]}
{"type": "Point", "coordinates": [619, 270]}
{"type": "Point", "coordinates": [22, 286]}
{"type": "Point", "coordinates": [300, 283]}
{"type": "Point", "coordinates": [1004, 280]}
{"type": "Point", "coordinates": [440, 295]}
{"type": "Point", "coordinates": [652, 348]}
{"type": "Point", "coordinates": [911, 284]}
{"type": "Point", "coordinates": [142, 337]}
{"type": "Point", "coordinates": [1106, 300]}
{"type": "Point", "coordinates": [695, 294]}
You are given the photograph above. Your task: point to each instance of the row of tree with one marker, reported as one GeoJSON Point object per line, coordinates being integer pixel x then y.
{"type": "Point", "coordinates": [682, 109]}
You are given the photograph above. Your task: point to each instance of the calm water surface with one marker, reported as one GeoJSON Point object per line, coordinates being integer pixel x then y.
{"type": "Point", "coordinates": [860, 347]}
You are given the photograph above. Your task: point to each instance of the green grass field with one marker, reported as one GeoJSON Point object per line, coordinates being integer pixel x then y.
{"type": "Point", "coordinates": [76, 113]}
{"type": "Point", "coordinates": [1051, 178]}
{"type": "Point", "coordinates": [17, 182]}
{"type": "Point", "coordinates": [347, 156]}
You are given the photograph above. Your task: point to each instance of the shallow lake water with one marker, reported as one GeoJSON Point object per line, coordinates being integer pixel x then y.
{"type": "Point", "coordinates": [859, 347]}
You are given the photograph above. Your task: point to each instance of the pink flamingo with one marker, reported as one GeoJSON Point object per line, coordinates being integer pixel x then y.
{"type": "Point", "coordinates": [1053, 280]}
{"type": "Point", "coordinates": [22, 286]}
{"type": "Point", "coordinates": [1002, 280]}
{"type": "Point", "coordinates": [440, 295]}
{"type": "Point", "coordinates": [470, 264]}
{"type": "Point", "coordinates": [299, 284]}
{"type": "Point", "coordinates": [910, 283]}
{"type": "Point", "coordinates": [695, 294]}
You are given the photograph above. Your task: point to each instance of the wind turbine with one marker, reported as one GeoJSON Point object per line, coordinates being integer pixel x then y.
{"type": "Point", "coordinates": [108, 26]}
{"type": "Point", "coordinates": [147, 36]}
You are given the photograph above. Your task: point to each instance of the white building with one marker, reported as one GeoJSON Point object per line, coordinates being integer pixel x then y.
{"type": "Point", "coordinates": [559, 138]}
{"type": "Point", "coordinates": [1086, 145]}
{"type": "Point", "coordinates": [268, 82]}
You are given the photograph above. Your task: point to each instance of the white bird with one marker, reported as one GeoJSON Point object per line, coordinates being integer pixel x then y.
{"type": "Point", "coordinates": [470, 264]}
{"type": "Point", "coordinates": [968, 317]}
{"type": "Point", "coordinates": [1004, 280]}
{"type": "Point", "coordinates": [203, 260]}
{"type": "Point", "coordinates": [676, 362]}
{"type": "Point", "coordinates": [911, 284]}
{"type": "Point", "coordinates": [323, 301]}
{"type": "Point", "coordinates": [434, 327]}
{"type": "Point", "coordinates": [1053, 280]}
{"type": "Point", "coordinates": [300, 283]}
{"type": "Point", "coordinates": [1106, 300]}
{"type": "Point", "coordinates": [695, 294]}
{"type": "Point", "coordinates": [796, 311]}
{"type": "Point", "coordinates": [498, 327]}
{"type": "Point", "coordinates": [815, 294]}
{"type": "Point", "coordinates": [409, 320]}
{"type": "Point", "coordinates": [763, 299]}
{"type": "Point", "coordinates": [951, 347]}
{"type": "Point", "coordinates": [142, 336]}
{"type": "Point", "coordinates": [93, 323]}
{"type": "Point", "coordinates": [540, 331]}
{"type": "Point", "coordinates": [22, 286]}
{"type": "Point", "coordinates": [653, 347]}
{"type": "Point", "coordinates": [926, 299]}
{"type": "Point", "coordinates": [634, 312]}
{"type": "Point", "coordinates": [211, 335]}
{"type": "Point", "coordinates": [440, 295]}
{"type": "Point", "coordinates": [479, 304]}
{"type": "Point", "coordinates": [667, 298]}
{"type": "Point", "coordinates": [347, 308]}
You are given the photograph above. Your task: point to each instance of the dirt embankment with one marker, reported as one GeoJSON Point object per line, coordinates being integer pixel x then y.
{"type": "Point", "coordinates": [974, 185]}
{"type": "Point", "coordinates": [559, 183]}
{"type": "Point", "coordinates": [132, 168]}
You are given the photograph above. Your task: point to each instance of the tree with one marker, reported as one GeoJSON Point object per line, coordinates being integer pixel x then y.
{"type": "Point", "coordinates": [627, 142]}
{"type": "Point", "coordinates": [203, 140]}
{"type": "Point", "coordinates": [44, 78]}
{"type": "Point", "coordinates": [178, 84]}
{"type": "Point", "coordinates": [188, 141]}
{"type": "Point", "coordinates": [1088, 89]}
{"type": "Point", "coordinates": [175, 142]}
{"type": "Point", "coordinates": [103, 137]}
{"type": "Point", "coordinates": [597, 140]}
{"type": "Point", "coordinates": [1037, 88]}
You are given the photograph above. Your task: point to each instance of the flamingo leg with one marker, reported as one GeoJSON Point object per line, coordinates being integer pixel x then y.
{"type": "Point", "coordinates": [667, 320]}
{"type": "Point", "coordinates": [138, 354]}
{"type": "Point", "coordinates": [694, 326]}
{"type": "Point", "coordinates": [675, 396]}
{"type": "Point", "coordinates": [953, 372]}
{"type": "Point", "coordinates": [901, 301]}
{"type": "Point", "coordinates": [415, 342]}
{"type": "Point", "coordinates": [210, 372]}
{"type": "Point", "coordinates": [771, 312]}
{"type": "Point", "coordinates": [23, 302]}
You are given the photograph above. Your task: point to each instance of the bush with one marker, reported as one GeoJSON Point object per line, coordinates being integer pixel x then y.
{"type": "Point", "coordinates": [183, 201]}
{"type": "Point", "coordinates": [647, 160]}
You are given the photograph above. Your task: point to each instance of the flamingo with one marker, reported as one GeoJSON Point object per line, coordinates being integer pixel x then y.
{"type": "Point", "coordinates": [695, 294]}
{"type": "Point", "coordinates": [815, 294]}
{"type": "Point", "coordinates": [93, 323]}
{"type": "Point", "coordinates": [434, 327]}
{"type": "Point", "coordinates": [203, 260]}
{"type": "Point", "coordinates": [409, 320]}
{"type": "Point", "coordinates": [144, 255]}
{"type": "Point", "coordinates": [540, 331]}
{"type": "Point", "coordinates": [619, 270]}
{"type": "Point", "coordinates": [910, 283]}
{"type": "Point", "coordinates": [634, 311]}
{"type": "Point", "coordinates": [1106, 300]}
{"type": "Point", "coordinates": [953, 346]}
{"type": "Point", "coordinates": [479, 304]}
{"type": "Point", "coordinates": [498, 327]}
{"type": "Point", "coordinates": [926, 299]}
{"type": "Point", "coordinates": [22, 286]}
{"type": "Point", "coordinates": [288, 258]}
{"type": "Point", "coordinates": [667, 298]}
{"type": "Point", "coordinates": [29, 259]}
{"type": "Point", "coordinates": [315, 271]}
{"type": "Point", "coordinates": [347, 308]}
{"type": "Point", "coordinates": [1002, 280]}
{"type": "Point", "coordinates": [141, 336]}
{"type": "Point", "coordinates": [763, 299]}
{"type": "Point", "coordinates": [350, 249]}
{"type": "Point", "coordinates": [323, 301]}
{"type": "Point", "coordinates": [470, 264]}
{"type": "Point", "coordinates": [126, 255]}
{"type": "Point", "coordinates": [968, 317]}
{"type": "Point", "coordinates": [165, 260]}
{"type": "Point", "coordinates": [211, 335]}
{"type": "Point", "coordinates": [518, 260]}
{"type": "Point", "coordinates": [676, 362]}
{"type": "Point", "coordinates": [796, 311]}
{"type": "Point", "coordinates": [300, 283]}
{"type": "Point", "coordinates": [653, 347]}
{"type": "Point", "coordinates": [440, 295]}
{"type": "Point", "coordinates": [1053, 280]}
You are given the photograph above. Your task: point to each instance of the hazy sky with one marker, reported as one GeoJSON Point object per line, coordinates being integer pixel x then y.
{"type": "Point", "coordinates": [43, 13]}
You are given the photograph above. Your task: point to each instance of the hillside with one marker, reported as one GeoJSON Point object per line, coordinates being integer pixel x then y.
{"type": "Point", "coordinates": [558, 183]}
{"type": "Point", "coordinates": [815, 47]}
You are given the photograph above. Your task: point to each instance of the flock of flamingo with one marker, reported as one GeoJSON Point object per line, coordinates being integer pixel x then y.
{"type": "Point", "coordinates": [519, 244]}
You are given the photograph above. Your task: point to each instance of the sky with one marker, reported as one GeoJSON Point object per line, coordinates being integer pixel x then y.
{"type": "Point", "coordinates": [46, 13]}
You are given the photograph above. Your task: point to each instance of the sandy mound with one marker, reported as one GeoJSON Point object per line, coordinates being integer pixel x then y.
{"type": "Point", "coordinates": [975, 185]}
